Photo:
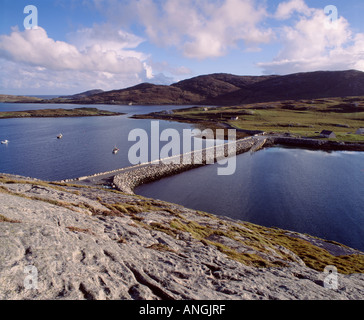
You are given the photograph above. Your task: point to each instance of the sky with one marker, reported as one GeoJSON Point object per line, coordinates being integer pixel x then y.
{"type": "Point", "coordinates": [70, 46]}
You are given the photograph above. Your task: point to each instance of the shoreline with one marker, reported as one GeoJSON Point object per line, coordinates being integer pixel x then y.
{"type": "Point", "coordinates": [315, 144]}
{"type": "Point", "coordinates": [129, 178]}
{"type": "Point", "coordinates": [128, 181]}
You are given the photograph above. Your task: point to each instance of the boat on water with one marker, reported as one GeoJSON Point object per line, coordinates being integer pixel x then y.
{"type": "Point", "coordinates": [5, 142]}
{"type": "Point", "coordinates": [60, 136]}
{"type": "Point", "coordinates": [115, 150]}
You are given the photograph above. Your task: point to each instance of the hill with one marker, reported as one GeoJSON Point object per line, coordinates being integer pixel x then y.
{"type": "Point", "coordinates": [310, 85]}
{"type": "Point", "coordinates": [144, 93]}
{"type": "Point", "coordinates": [222, 89]}
{"type": "Point", "coordinates": [228, 89]}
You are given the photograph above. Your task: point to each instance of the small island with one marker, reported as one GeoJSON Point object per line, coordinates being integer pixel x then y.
{"type": "Point", "coordinates": [58, 113]}
{"type": "Point", "coordinates": [7, 98]}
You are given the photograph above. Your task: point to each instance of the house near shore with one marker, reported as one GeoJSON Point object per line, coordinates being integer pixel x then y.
{"type": "Point", "coordinates": [167, 112]}
{"type": "Point", "coordinates": [360, 131]}
{"type": "Point", "coordinates": [327, 134]}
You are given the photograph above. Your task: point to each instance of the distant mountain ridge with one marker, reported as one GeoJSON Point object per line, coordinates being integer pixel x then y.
{"type": "Point", "coordinates": [310, 85]}
{"type": "Point", "coordinates": [228, 89]}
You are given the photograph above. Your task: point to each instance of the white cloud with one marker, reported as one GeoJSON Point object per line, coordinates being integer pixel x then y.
{"type": "Point", "coordinates": [203, 29]}
{"type": "Point", "coordinates": [37, 49]}
{"type": "Point", "coordinates": [27, 79]}
{"type": "Point", "coordinates": [286, 9]}
{"type": "Point", "coordinates": [107, 38]}
{"type": "Point", "coordinates": [313, 43]}
{"type": "Point", "coordinates": [212, 28]}
{"type": "Point", "coordinates": [99, 57]}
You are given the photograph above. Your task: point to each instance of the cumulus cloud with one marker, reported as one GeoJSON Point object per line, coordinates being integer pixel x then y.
{"type": "Point", "coordinates": [203, 29]}
{"type": "Point", "coordinates": [107, 37]}
{"type": "Point", "coordinates": [38, 49]}
{"type": "Point", "coordinates": [98, 57]}
{"type": "Point", "coordinates": [28, 79]}
{"type": "Point", "coordinates": [314, 43]}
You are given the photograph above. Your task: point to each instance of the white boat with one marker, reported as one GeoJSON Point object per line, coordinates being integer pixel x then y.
{"type": "Point", "coordinates": [115, 150]}
{"type": "Point", "coordinates": [60, 136]}
{"type": "Point", "coordinates": [5, 142]}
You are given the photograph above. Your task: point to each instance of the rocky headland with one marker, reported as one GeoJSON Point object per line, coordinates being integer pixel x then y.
{"type": "Point", "coordinates": [92, 243]}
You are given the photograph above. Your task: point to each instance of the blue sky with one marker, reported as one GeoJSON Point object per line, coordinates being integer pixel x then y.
{"type": "Point", "coordinates": [112, 44]}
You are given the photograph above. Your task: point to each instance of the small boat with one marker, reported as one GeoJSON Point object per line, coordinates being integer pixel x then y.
{"type": "Point", "coordinates": [5, 142]}
{"type": "Point", "coordinates": [60, 136]}
{"type": "Point", "coordinates": [115, 150]}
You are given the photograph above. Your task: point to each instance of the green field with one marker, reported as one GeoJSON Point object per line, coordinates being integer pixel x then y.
{"type": "Point", "coordinates": [307, 118]}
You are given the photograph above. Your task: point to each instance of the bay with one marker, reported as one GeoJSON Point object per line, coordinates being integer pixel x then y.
{"type": "Point", "coordinates": [86, 146]}
{"type": "Point", "coordinates": [314, 192]}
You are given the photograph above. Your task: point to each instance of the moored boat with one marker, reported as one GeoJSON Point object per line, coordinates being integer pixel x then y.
{"type": "Point", "coordinates": [5, 142]}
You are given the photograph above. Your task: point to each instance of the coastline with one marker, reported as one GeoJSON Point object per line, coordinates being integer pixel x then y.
{"type": "Point", "coordinates": [314, 144]}
{"type": "Point", "coordinates": [131, 179]}
{"type": "Point", "coordinates": [127, 179]}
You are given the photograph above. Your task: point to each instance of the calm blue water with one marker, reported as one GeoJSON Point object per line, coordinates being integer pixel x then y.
{"type": "Point", "coordinates": [86, 147]}
{"type": "Point", "coordinates": [312, 192]}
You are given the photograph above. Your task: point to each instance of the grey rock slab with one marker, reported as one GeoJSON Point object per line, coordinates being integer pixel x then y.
{"type": "Point", "coordinates": [78, 256]}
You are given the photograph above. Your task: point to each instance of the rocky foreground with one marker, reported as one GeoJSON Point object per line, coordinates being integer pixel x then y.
{"type": "Point", "coordinates": [92, 243]}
